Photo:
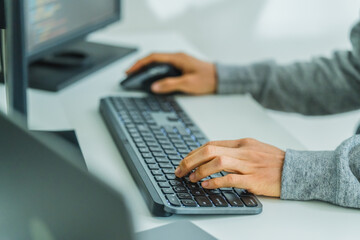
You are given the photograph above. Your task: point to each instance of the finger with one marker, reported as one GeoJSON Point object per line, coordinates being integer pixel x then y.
{"type": "Point", "coordinates": [230, 180]}
{"type": "Point", "coordinates": [249, 143]}
{"type": "Point", "coordinates": [223, 163]}
{"type": "Point", "coordinates": [202, 156]}
{"type": "Point", "coordinates": [226, 143]}
{"type": "Point", "coordinates": [171, 58]}
{"type": "Point", "coordinates": [168, 85]}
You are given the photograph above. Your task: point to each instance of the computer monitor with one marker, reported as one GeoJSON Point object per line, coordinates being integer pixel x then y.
{"type": "Point", "coordinates": [13, 55]}
{"type": "Point", "coordinates": [57, 51]}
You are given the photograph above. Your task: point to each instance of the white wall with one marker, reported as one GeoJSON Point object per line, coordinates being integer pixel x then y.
{"type": "Point", "coordinates": [230, 30]}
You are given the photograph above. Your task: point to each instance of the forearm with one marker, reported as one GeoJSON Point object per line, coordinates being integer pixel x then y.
{"type": "Point", "coordinates": [331, 176]}
{"type": "Point", "coordinates": [322, 86]}
{"type": "Point", "coordinates": [318, 87]}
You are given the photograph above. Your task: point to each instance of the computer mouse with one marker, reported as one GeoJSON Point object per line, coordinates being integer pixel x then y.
{"type": "Point", "coordinates": [146, 76]}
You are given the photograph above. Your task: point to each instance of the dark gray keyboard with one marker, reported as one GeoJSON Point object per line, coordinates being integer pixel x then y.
{"type": "Point", "coordinates": [153, 135]}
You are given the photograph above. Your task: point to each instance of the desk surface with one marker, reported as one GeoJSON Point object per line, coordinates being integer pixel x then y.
{"type": "Point", "coordinates": [77, 107]}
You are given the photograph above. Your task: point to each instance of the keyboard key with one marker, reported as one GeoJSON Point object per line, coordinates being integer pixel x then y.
{"type": "Point", "coordinates": [240, 191]}
{"type": "Point", "coordinates": [169, 129]}
{"type": "Point", "coordinates": [138, 139]}
{"type": "Point", "coordinates": [145, 134]}
{"type": "Point", "coordinates": [212, 191]}
{"type": "Point", "coordinates": [180, 145]}
{"type": "Point", "coordinates": [135, 134]}
{"type": "Point", "coordinates": [159, 154]}
{"type": "Point", "coordinates": [176, 162]}
{"type": "Point", "coordinates": [249, 201]}
{"type": "Point", "coordinates": [203, 201]}
{"type": "Point", "coordinates": [160, 178]}
{"type": "Point", "coordinates": [173, 135]}
{"type": "Point", "coordinates": [188, 138]}
{"type": "Point", "coordinates": [197, 192]}
{"type": "Point", "coordinates": [171, 152]}
{"type": "Point", "coordinates": [141, 144]}
{"type": "Point", "coordinates": [162, 141]}
{"type": "Point", "coordinates": [218, 201]}
{"type": "Point", "coordinates": [184, 196]}
{"type": "Point", "coordinates": [182, 131]}
{"type": "Point", "coordinates": [144, 150]}
{"type": "Point", "coordinates": [167, 190]}
{"type": "Point", "coordinates": [174, 157]}
{"type": "Point", "coordinates": [226, 189]}
{"type": "Point", "coordinates": [176, 182]}
{"type": "Point", "coordinates": [162, 160]}
{"type": "Point", "coordinates": [164, 184]}
{"type": "Point", "coordinates": [153, 166]}
{"type": "Point", "coordinates": [191, 185]}
{"type": "Point", "coordinates": [158, 133]}
{"type": "Point", "coordinates": [153, 144]}
{"type": "Point", "coordinates": [165, 165]}
{"type": "Point", "coordinates": [192, 148]}
{"type": "Point", "coordinates": [162, 137]}
{"type": "Point", "coordinates": [168, 170]}
{"type": "Point", "coordinates": [173, 200]}
{"type": "Point", "coordinates": [189, 203]}
{"type": "Point", "coordinates": [155, 149]}
{"type": "Point", "coordinates": [233, 200]}
{"type": "Point", "coordinates": [147, 155]}
{"type": "Point", "coordinates": [168, 147]}
{"type": "Point", "coordinates": [155, 128]}
{"type": "Point", "coordinates": [157, 172]}
{"type": "Point", "coordinates": [176, 141]}
{"type": "Point", "coordinates": [150, 160]}
{"type": "Point", "coordinates": [202, 142]}
{"type": "Point", "coordinates": [173, 119]}
{"type": "Point", "coordinates": [171, 176]}
{"type": "Point", "coordinates": [180, 189]}
{"type": "Point", "coordinates": [149, 139]}
{"type": "Point", "coordinates": [184, 151]}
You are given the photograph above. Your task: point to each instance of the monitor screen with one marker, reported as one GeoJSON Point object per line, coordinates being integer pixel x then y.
{"type": "Point", "coordinates": [54, 22]}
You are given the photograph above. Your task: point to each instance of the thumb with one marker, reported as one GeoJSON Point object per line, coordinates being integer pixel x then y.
{"type": "Point", "coordinates": [168, 85]}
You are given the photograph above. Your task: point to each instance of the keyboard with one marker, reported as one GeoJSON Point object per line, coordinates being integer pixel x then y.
{"type": "Point", "coordinates": [153, 135]}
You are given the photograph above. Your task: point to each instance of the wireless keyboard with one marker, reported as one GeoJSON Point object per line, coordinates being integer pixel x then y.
{"type": "Point", "coordinates": [153, 135]}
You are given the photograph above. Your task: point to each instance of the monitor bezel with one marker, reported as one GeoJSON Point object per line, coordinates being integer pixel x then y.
{"type": "Point", "coordinates": [54, 46]}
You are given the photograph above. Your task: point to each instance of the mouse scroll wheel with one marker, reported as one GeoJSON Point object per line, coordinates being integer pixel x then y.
{"type": "Point", "coordinates": [158, 70]}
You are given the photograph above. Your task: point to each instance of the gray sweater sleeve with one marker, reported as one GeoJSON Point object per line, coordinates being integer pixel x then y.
{"type": "Point", "coordinates": [318, 87]}
{"type": "Point", "coordinates": [321, 86]}
{"type": "Point", "coordinates": [331, 176]}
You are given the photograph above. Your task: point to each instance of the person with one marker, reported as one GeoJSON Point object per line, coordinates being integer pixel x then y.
{"type": "Point", "coordinates": [319, 87]}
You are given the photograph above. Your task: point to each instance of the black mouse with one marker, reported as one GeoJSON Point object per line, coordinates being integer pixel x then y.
{"type": "Point", "coordinates": [146, 76]}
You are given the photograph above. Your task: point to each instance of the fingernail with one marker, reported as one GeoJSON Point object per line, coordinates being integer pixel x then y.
{"type": "Point", "coordinates": [205, 184]}
{"type": "Point", "coordinates": [177, 171]}
{"type": "Point", "coordinates": [155, 87]}
{"type": "Point", "coordinates": [192, 176]}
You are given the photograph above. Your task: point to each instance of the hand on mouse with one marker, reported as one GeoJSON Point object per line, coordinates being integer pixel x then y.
{"type": "Point", "coordinates": [251, 165]}
{"type": "Point", "coordinates": [198, 77]}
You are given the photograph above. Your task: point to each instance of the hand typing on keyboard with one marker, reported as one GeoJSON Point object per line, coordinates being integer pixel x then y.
{"type": "Point", "coordinates": [252, 165]}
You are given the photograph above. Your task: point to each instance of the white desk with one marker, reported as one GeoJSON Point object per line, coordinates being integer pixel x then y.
{"type": "Point", "coordinates": [279, 220]}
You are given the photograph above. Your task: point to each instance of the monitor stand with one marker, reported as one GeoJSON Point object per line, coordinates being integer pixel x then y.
{"type": "Point", "coordinates": [72, 63]}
